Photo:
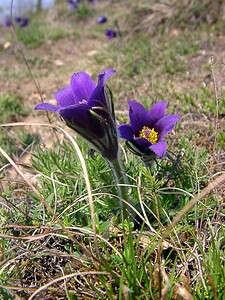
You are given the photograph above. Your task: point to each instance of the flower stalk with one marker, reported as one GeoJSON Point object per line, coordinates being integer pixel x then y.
{"type": "Point", "coordinates": [150, 163]}
{"type": "Point", "coordinates": [121, 181]}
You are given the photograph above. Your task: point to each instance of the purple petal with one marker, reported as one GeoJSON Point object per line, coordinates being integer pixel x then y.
{"type": "Point", "coordinates": [142, 143]}
{"type": "Point", "coordinates": [80, 117]}
{"type": "Point", "coordinates": [138, 116]}
{"type": "Point", "coordinates": [74, 112]}
{"type": "Point", "coordinates": [126, 132]}
{"type": "Point", "coordinates": [65, 97]}
{"type": "Point", "coordinates": [82, 86]}
{"type": "Point", "coordinates": [105, 75]}
{"type": "Point", "coordinates": [47, 106]}
{"type": "Point", "coordinates": [98, 96]}
{"type": "Point", "coordinates": [166, 124]}
{"type": "Point", "coordinates": [156, 113]}
{"type": "Point", "coordinates": [159, 148]}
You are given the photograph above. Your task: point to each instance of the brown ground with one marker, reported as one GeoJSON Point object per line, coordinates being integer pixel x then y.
{"type": "Point", "coordinates": [56, 56]}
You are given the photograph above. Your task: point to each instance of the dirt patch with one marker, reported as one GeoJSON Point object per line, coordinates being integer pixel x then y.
{"type": "Point", "coordinates": [51, 65]}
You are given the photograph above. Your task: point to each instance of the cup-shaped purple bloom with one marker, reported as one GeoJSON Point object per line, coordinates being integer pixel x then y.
{"type": "Point", "coordinates": [86, 109]}
{"type": "Point", "coordinates": [73, 1]}
{"type": "Point", "coordinates": [17, 19]}
{"type": "Point", "coordinates": [101, 19]}
{"type": "Point", "coordinates": [110, 34]}
{"type": "Point", "coordinates": [24, 22]}
{"type": "Point", "coordinates": [7, 21]}
{"type": "Point", "coordinates": [73, 4]}
{"type": "Point", "coordinates": [147, 129]}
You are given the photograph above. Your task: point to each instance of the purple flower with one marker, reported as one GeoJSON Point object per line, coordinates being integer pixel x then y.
{"type": "Point", "coordinates": [24, 22]}
{"type": "Point", "coordinates": [101, 19]}
{"type": "Point", "coordinates": [17, 19]}
{"type": "Point", "coordinates": [7, 21]}
{"type": "Point", "coordinates": [73, 1]}
{"type": "Point", "coordinates": [110, 34]}
{"type": "Point", "coordinates": [147, 129]}
{"type": "Point", "coordinates": [85, 108]}
{"type": "Point", "coordinates": [73, 4]}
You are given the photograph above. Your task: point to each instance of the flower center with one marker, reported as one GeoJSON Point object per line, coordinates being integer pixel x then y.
{"type": "Point", "coordinates": [149, 134]}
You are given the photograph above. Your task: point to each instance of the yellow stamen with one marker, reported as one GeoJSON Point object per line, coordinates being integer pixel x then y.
{"type": "Point", "coordinates": [149, 134]}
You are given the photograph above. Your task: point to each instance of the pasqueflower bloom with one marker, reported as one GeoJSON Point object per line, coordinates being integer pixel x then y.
{"type": "Point", "coordinates": [17, 19]}
{"type": "Point", "coordinates": [85, 108]}
{"type": "Point", "coordinates": [73, 4]}
{"type": "Point", "coordinates": [101, 19]}
{"type": "Point", "coordinates": [110, 34]}
{"type": "Point", "coordinates": [147, 129]}
{"type": "Point", "coordinates": [7, 21]}
{"type": "Point", "coordinates": [24, 22]}
{"type": "Point", "coordinates": [73, 1]}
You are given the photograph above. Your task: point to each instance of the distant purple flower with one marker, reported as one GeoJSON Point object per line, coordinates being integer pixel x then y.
{"type": "Point", "coordinates": [110, 34]}
{"type": "Point", "coordinates": [17, 19]}
{"type": "Point", "coordinates": [147, 129]}
{"type": "Point", "coordinates": [73, 4]}
{"type": "Point", "coordinates": [7, 21]}
{"type": "Point", "coordinates": [73, 1]}
{"type": "Point", "coordinates": [85, 108]}
{"type": "Point", "coordinates": [24, 22]}
{"type": "Point", "coordinates": [101, 19]}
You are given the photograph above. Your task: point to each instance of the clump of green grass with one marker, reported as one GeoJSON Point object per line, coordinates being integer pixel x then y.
{"type": "Point", "coordinates": [203, 98]}
{"type": "Point", "coordinates": [33, 35]}
{"type": "Point", "coordinates": [130, 255]}
{"type": "Point", "coordinates": [221, 139]}
{"type": "Point", "coordinates": [15, 143]}
{"type": "Point", "coordinates": [83, 11]}
{"type": "Point", "coordinates": [36, 61]}
{"type": "Point", "coordinates": [11, 108]}
{"type": "Point", "coordinates": [56, 33]}
{"type": "Point", "coordinates": [36, 33]}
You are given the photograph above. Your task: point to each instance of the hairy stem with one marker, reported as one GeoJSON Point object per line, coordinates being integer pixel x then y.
{"type": "Point", "coordinates": [121, 184]}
